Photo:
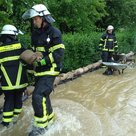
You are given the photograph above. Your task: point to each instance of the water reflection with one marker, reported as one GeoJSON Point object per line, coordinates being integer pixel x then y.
{"type": "Point", "coordinates": [92, 105]}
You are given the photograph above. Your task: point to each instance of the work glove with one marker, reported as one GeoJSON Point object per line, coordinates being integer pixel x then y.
{"type": "Point", "coordinates": [41, 62]}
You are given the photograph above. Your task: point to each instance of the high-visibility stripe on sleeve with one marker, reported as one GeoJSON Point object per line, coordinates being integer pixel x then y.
{"type": "Point", "coordinates": [42, 49]}
{"type": "Point", "coordinates": [102, 40]}
{"type": "Point", "coordinates": [9, 59]}
{"type": "Point", "coordinates": [52, 49]}
{"type": "Point", "coordinates": [10, 47]}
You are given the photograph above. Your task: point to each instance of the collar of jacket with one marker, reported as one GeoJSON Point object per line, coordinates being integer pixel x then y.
{"type": "Point", "coordinates": [44, 29]}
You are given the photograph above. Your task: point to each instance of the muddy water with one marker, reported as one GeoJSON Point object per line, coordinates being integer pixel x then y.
{"type": "Point", "coordinates": [91, 105]}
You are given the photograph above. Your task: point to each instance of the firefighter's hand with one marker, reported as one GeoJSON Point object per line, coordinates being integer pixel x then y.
{"type": "Point", "coordinates": [42, 62]}
{"type": "Point", "coordinates": [99, 49]}
{"type": "Point", "coordinates": [39, 56]}
{"type": "Point", "coordinates": [116, 49]}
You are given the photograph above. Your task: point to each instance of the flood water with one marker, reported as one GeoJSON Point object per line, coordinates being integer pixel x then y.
{"type": "Point", "coordinates": [91, 105]}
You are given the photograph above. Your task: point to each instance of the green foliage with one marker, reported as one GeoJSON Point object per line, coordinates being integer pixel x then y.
{"type": "Point", "coordinates": [76, 16]}
{"type": "Point", "coordinates": [121, 13]}
{"type": "Point", "coordinates": [5, 12]}
{"type": "Point", "coordinates": [81, 49]}
{"type": "Point", "coordinates": [126, 41]}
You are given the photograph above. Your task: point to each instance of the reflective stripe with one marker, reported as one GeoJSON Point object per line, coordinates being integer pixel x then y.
{"type": "Point", "coordinates": [52, 49]}
{"type": "Point", "coordinates": [100, 44]}
{"type": "Point", "coordinates": [10, 47]}
{"type": "Point", "coordinates": [17, 85]}
{"type": "Point", "coordinates": [19, 75]}
{"type": "Point", "coordinates": [108, 50]}
{"type": "Point", "coordinates": [44, 118]}
{"type": "Point", "coordinates": [7, 116]}
{"type": "Point", "coordinates": [51, 72]}
{"type": "Point", "coordinates": [110, 39]}
{"type": "Point", "coordinates": [17, 110]}
{"type": "Point", "coordinates": [9, 59]}
{"type": "Point", "coordinates": [105, 43]}
{"type": "Point", "coordinates": [51, 58]}
{"type": "Point", "coordinates": [53, 67]}
{"type": "Point", "coordinates": [8, 113]}
{"type": "Point", "coordinates": [42, 121]}
{"type": "Point", "coordinates": [52, 115]}
{"type": "Point", "coordinates": [40, 49]}
{"type": "Point", "coordinates": [41, 125]}
{"type": "Point", "coordinates": [102, 39]}
{"type": "Point", "coordinates": [8, 120]}
{"type": "Point", "coordinates": [44, 107]}
{"type": "Point", "coordinates": [105, 49]}
{"type": "Point", "coordinates": [6, 76]}
{"type": "Point", "coordinates": [14, 87]}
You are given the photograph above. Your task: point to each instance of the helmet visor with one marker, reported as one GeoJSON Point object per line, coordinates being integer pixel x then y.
{"type": "Point", "coordinates": [49, 18]}
{"type": "Point", "coordinates": [30, 14]}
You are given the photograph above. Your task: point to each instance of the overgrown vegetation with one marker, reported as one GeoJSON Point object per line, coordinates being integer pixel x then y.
{"type": "Point", "coordinates": [82, 23]}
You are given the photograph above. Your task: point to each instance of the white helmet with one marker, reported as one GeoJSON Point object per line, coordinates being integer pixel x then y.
{"type": "Point", "coordinates": [38, 10]}
{"type": "Point", "coordinates": [10, 29]}
{"type": "Point", "coordinates": [110, 27]}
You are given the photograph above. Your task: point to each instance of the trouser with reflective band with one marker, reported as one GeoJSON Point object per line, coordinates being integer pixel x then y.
{"type": "Point", "coordinates": [12, 105]}
{"type": "Point", "coordinates": [41, 100]}
{"type": "Point", "coordinates": [107, 56]}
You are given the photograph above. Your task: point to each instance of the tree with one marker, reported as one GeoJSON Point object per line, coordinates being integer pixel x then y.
{"type": "Point", "coordinates": [74, 15]}
{"type": "Point", "coordinates": [121, 13]}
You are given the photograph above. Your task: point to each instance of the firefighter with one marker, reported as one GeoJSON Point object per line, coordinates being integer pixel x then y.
{"type": "Point", "coordinates": [13, 74]}
{"type": "Point", "coordinates": [108, 46]}
{"type": "Point", "coordinates": [47, 40]}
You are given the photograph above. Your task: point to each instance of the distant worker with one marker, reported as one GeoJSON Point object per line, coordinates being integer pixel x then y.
{"type": "Point", "coordinates": [13, 74]}
{"type": "Point", "coordinates": [46, 40]}
{"type": "Point", "coordinates": [108, 46]}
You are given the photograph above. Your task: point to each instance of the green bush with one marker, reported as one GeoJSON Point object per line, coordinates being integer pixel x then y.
{"type": "Point", "coordinates": [81, 49]}
{"type": "Point", "coordinates": [126, 41]}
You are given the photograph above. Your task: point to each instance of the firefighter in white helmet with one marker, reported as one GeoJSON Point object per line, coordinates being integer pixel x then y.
{"type": "Point", "coordinates": [108, 46]}
{"type": "Point", "coordinates": [13, 74]}
{"type": "Point", "coordinates": [47, 40]}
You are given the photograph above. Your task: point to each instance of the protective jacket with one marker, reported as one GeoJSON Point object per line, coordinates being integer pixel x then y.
{"type": "Point", "coordinates": [13, 74]}
{"type": "Point", "coordinates": [48, 41]}
{"type": "Point", "coordinates": [108, 42]}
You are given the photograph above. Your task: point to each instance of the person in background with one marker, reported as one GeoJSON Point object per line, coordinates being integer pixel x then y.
{"type": "Point", "coordinates": [13, 74]}
{"type": "Point", "coordinates": [46, 40]}
{"type": "Point", "coordinates": [108, 46]}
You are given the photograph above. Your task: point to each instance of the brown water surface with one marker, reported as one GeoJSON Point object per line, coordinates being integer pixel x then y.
{"type": "Point", "coordinates": [91, 105]}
